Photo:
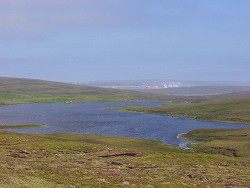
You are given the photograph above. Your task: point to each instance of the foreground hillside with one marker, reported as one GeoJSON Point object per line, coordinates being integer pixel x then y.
{"type": "Point", "coordinates": [18, 90]}
{"type": "Point", "coordinates": [74, 160]}
{"type": "Point", "coordinates": [230, 110]}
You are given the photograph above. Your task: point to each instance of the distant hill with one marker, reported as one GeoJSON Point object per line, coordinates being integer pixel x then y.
{"type": "Point", "coordinates": [32, 86]}
{"type": "Point", "coordinates": [235, 95]}
{"type": "Point", "coordinates": [199, 90]}
{"type": "Point", "coordinates": [76, 93]}
{"type": "Point", "coordinates": [22, 90]}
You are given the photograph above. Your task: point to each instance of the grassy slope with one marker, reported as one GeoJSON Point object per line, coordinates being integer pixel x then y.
{"type": "Point", "coordinates": [20, 126]}
{"type": "Point", "coordinates": [19, 90]}
{"type": "Point", "coordinates": [231, 142]}
{"type": "Point", "coordinates": [72, 160]}
{"type": "Point", "coordinates": [16, 90]}
{"type": "Point", "coordinates": [233, 110]}
{"type": "Point", "coordinates": [199, 94]}
{"type": "Point", "coordinates": [199, 90]}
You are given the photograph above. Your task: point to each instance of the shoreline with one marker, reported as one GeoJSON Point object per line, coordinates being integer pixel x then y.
{"type": "Point", "coordinates": [186, 117]}
{"type": "Point", "coordinates": [183, 145]}
{"type": "Point", "coordinates": [9, 128]}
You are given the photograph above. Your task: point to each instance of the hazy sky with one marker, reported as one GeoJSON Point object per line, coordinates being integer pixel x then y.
{"type": "Point", "coordinates": [83, 40]}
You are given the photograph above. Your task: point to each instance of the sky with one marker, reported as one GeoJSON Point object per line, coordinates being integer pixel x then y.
{"type": "Point", "coordinates": [90, 40]}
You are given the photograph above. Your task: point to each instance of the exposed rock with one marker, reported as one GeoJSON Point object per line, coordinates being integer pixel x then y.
{"type": "Point", "coordinates": [18, 155]}
{"type": "Point", "coordinates": [116, 163]}
{"type": "Point", "coordinates": [203, 178]}
{"type": "Point", "coordinates": [125, 183]}
{"type": "Point", "coordinates": [245, 164]}
{"type": "Point", "coordinates": [190, 176]}
{"type": "Point", "coordinates": [143, 167]}
{"type": "Point", "coordinates": [116, 154]}
{"type": "Point", "coordinates": [24, 151]}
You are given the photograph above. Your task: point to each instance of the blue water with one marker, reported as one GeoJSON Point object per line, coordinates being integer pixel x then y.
{"type": "Point", "coordinates": [95, 118]}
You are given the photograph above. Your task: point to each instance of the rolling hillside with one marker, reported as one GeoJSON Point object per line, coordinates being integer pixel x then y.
{"type": "Point", "coordinates": [22, 90]}
{"type": "Point", "coordinates": [200, 90]}
{"type": "Point", "coordinates": [229, 110]}
{"type": "Point", "coordinates": [31, 86]}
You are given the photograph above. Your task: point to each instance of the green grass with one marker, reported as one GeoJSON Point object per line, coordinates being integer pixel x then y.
{"type": "Point", "coordinates": [231, 142]}
{"type": "Point", "coordinates": [233, 110]}
{"type": "Point", "coordinates": [20, 126]}
{"type": "Point", "coordinates": [72, 160]}
{"type": "Point", "coordinates": [17, 90]}
{"type": "Point", "coordinates": [15, 98]}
